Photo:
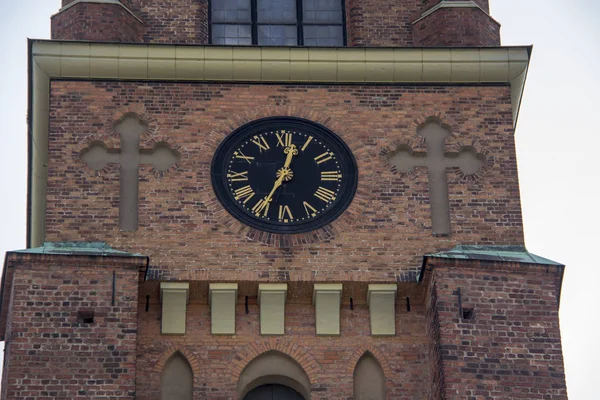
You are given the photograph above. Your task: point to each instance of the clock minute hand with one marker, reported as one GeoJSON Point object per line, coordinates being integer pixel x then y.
{"type": "Point", "coordinates": [275, 186]}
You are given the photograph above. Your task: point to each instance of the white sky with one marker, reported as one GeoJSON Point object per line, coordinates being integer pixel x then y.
{"type": "Point", "coordinates": [558, 141]}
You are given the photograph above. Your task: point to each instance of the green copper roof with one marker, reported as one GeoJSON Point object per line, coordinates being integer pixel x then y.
{"type": "Point", "coordinates": [78, 248]}
{"type": "Point", "coordinates": [494, 253]}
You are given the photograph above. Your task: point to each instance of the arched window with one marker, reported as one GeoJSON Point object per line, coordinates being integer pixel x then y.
{"type": "Point", "coordinates": [369, 381]}
{"type": "Point", "coordinates": [278, 22]}
{"type": "Point", "coordinates": [177, 380]}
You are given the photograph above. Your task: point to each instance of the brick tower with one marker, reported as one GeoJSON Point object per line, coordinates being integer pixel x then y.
{"type": "Point", "coordinates": [291, 199]}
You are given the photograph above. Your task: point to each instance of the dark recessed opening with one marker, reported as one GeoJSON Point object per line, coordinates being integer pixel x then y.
{"type": "Point", "coordinates": [85, 317]}
{"type": "Point", "coordinates": [467, 313]}
{"type": "Point", "coordinates": [408, 304]}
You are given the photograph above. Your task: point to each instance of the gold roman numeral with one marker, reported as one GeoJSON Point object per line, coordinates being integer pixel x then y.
{"type": "Point", "coordinates": [239, 154]}
{"type": "Point", "coordinates": [238, 176]}
{"type": "Point", "coordinates": [325, 194]}
{"type": "Point", "coordinates": [261, 207]}
{"type": "Point", "coordinates": [323, 157]}
{"type": "Point", "coordinates": [310, 210]}
{"type": "Point", "coordinates": [306, 143]}
{"type": "Point", "coordinates": [244, 192]}
{"type": "Point", "coordinates": [330, 175]}
{"type": "Point", "coordinates": [284, 139]}
{"type": "Point", "coordinates": [285, 214]}
{"type": "Point", "coordinates": [261, 143]}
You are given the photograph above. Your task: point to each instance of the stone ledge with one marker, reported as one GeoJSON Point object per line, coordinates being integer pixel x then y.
{"type": "Point", "coordinates": [453, 4]}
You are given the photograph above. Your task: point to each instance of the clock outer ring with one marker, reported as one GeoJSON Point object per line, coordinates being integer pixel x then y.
{"type": "Point", "coordinates": [227, 147]}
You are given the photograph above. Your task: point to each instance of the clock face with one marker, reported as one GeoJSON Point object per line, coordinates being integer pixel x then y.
{"type": "Point", "coordinates": [284, 175]}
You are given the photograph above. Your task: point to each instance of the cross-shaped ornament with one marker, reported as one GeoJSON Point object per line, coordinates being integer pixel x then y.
{"type": "Point", "coordinates": [437, 161]}
{"type": "Point", "coordinates": [129, 157]}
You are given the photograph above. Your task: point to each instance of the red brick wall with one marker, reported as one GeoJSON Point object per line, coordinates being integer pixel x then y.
{"type": "Point", "coordinates": [96, 22]}
{"type": "Point", "coordinates": [368, 23]}
{"type": "Point", "coordinates": [434, 352]}
{"type": "Point", "coordinates": [511, 348]}
{"type": "Point", "coordinates": [217, 361]}
{"type": "Point", "coordinates": [51, 355]}
{"type": "Point", "coordinates": [175, 21]}
{"type": "Point", "coordinates": [381, 23]}
{"type": "Point", "coordinates": [383, 234]}
{"type": "Point", "coordinates": [457, 27]}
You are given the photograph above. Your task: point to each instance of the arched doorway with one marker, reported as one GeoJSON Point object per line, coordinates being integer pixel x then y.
{"type": "Point", "coordinates": [273, 392]}
{"type": "Point", "coordinates": [273, 375]}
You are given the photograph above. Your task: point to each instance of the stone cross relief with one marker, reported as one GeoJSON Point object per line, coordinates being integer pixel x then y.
{"type": "Point", "coordinates": [130, 157]}
{"type": "Point", "coordinates": [437, 161]}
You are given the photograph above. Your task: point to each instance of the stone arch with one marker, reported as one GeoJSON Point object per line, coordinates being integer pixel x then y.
{"type": "Point", "coordinates": [273, 367]}
{"type": "Point", "coordinates": [177, 379]}
{"type": "Point", "coordinates": [294, 351]}
{"type": "Point", "coordinates": [369, 379]}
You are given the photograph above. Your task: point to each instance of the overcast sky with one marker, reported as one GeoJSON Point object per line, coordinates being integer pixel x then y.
{"type": "Point", "coordinates": [558, 140]}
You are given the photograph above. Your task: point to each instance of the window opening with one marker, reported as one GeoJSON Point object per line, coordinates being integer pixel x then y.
{"type": "Point", "coordinates": [277, 22]}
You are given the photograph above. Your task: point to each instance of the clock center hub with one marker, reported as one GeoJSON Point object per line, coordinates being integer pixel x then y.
{"type": "Point", "coordinates": [286, 173]}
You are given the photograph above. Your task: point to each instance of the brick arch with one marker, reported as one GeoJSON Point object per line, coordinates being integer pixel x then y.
{"type": "Point", "coordinates": [259, 347]}
{"type": "Point", "coordinates": [342, 224]}
{"type": "Point", "coordinates": [378, 355]}
{"type": "Point", "coordinates": [160, 363]}
{"type": "Point", "coordinates": [170, 351]}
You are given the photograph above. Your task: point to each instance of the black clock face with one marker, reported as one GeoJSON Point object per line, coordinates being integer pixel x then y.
{"type": "Point", "coordinates": [284, 175]}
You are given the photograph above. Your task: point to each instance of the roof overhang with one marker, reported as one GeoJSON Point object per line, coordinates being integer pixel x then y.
{"type": "Point", "coordinates": [50, 60]}
{"type": "Point", "coordinates": [499, 258]}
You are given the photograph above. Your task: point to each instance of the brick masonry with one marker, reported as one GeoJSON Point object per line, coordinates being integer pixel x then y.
{"type": "Point", "coordinates": [49, 354]}
{"type": "Point", "coordinates": [448, 27]}
{"type": "Point", "coordinates": [510, 348]}
{"type": "Point", "coordinates": [368, 23]}
{"type": "Point", "coordinates": [381, 237]}
{"type": "Point", "coordinates": [381, 23]}
{"type": "Point", "coordinates": [96, 22]}
{"type": "Point", "coordinates": [328, 361]}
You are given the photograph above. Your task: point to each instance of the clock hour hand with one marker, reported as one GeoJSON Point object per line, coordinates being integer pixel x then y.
{"type": "Point", "coordinates": [291, 151]}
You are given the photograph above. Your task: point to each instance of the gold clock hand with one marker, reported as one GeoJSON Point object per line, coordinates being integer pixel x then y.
{"type": "Point", "coordinates": [291, 151]}
{"type": "Point", "coordinates": [275, 186]}
{"type": "Point", "coordinates": [284, 173]}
